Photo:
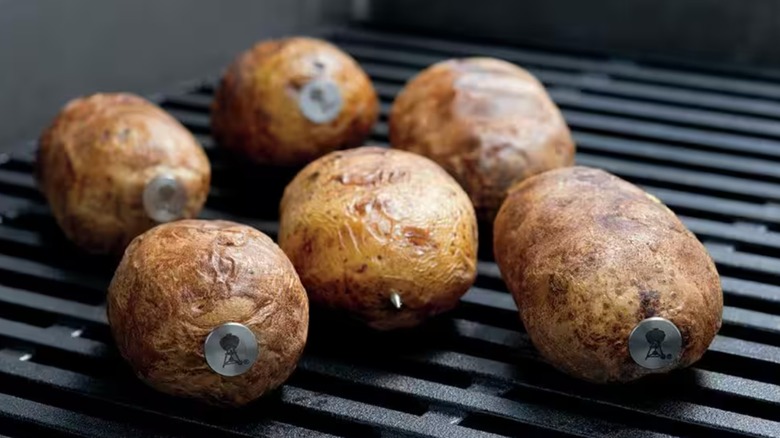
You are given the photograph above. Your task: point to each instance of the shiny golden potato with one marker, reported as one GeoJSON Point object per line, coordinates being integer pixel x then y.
{"type": "Point", "coordinates": [286, 102]}
{"type": "Point", "coordinates": [180, 281]}
{"type": "Point", "coordinates": [489, 123]}
{"type": "Point", "coordinates": [96, 163]}
{"type": "Point", "coordinates": [385, 235]}
{"type": "Point", "coordinates": [588, 257]}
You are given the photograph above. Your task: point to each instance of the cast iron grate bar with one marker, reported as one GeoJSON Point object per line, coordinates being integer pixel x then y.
{"type": "Point", "coordinates": [706, 144]}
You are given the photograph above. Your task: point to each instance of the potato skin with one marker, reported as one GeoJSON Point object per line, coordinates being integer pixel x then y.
{"type": "Point", "coordinates": [489, 123]}
{"type": "Point", "coordinates": [96, 157]}
{"type": "Point", "coordinates": [362, 223]}
{"type": "Point", "coordinates": [587, 256]}
{"type": "Point", "coordinates": [179, 281]}
{"type": "Point", "coordinates": [255, 112]}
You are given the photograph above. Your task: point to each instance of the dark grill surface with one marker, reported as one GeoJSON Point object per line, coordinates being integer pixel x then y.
{"type": "Point", "coordinates": [705, 143]}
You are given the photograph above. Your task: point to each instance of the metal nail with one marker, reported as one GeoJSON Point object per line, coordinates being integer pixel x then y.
{"type": "Point", "coordinates": [396, 300]}
{"type": "Point", "coordinates": [231, 349]}
{"type": "Point", "coordinates": [164, 198]}
{"type": "Point", "coordinates": [655, 343]}
{"type": "Point", "coordinates": [320, 101]}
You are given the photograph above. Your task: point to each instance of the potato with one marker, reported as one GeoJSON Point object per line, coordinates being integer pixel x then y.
{"type": "Point", "coordinates": [384, 235]}
{"type": "Point", "coordinates": [286, 102]}
{"type": "Point", "coordinates": [587, 257]}
{"type": "Point", "coordinates": [98, 160]}
{"type": "Point", "coordinates": [489, 123]}
{"type": "Point", "coordinates": [179, 282]}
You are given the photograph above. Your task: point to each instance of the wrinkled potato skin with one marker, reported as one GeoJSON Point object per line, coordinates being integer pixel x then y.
{"type": "Point", "coordinates": [96, 158]}
{"type": "Point", "coordinates": [489, 123]}
{"type": "Point", "coordinates": [362, 223]}
{"type": "Point", "coordinates": [587, 256]}
{"type": "Point", "coordinates": [255, 112]}
{"type": "Point", "coordinates": [179, 281]}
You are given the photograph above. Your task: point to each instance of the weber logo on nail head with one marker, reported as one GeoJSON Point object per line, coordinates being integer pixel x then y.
{"type": "Point", "coordinates": [655, 343]}
{"type": "Point", "coordinates": [231, 349]}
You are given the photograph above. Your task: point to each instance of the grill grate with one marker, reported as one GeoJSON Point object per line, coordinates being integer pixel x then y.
{"type": "Point", "coordinates": [705, 143]}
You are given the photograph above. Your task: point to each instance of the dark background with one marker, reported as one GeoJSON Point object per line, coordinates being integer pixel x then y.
{"type": "Point", "coordinates": [52, 51]}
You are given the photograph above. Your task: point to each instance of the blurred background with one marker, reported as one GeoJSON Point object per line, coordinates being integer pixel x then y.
{"type": "Point", "coordinates": [51, 51]}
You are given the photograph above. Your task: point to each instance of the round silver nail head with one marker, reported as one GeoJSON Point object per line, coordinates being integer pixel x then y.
{"type": "Point", "coordinates": [320, 100]}
{"type": "Point", "coordinates": [164, 198]}
{"type": "Point", "coordinates": [655, 343]}
{"type": "Point", "coordinates": [230, 349]}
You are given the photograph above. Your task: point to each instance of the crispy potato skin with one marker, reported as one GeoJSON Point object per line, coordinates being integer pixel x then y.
{"type": "Point", "coordinates": [255, 112]}
{"type": "Point", "coordinates": [587, 256]}
{"type": "Point", "coordinates": [362, 223]}
{"type": "Point", "coordinates": [179, 281]}
{"type": "Point", "coordinates": [95, 159]}
{"type": "Point", "coordinates": [489, 123]}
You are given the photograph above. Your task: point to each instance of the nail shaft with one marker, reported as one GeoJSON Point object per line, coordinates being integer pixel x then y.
{"type": "Point", "coordinates": [396, 300]}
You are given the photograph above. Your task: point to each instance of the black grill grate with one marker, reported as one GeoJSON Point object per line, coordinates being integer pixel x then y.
{"type": "Point", "coordinates": [705, 143]}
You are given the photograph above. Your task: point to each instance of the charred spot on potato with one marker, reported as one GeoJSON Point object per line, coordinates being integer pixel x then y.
{"type": "Point", "coordinates": [556, 285]}
{"type": "Point", "coordinates": [649, 302]}
{"type": "Point", "coordinates": [685, 335]}
{"type": "Point", "coordinates": [417, 236]}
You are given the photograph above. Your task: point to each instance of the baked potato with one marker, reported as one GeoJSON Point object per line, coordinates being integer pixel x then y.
{"type": "Point", "coordinates": [286, 102]}
{"type": "Point", "coordinates": [114, 165]}
{"type": "Point", "coordinates": [489, 123]}
{"type": "Point", "coordinates": [210, 310]}
{"type": "Point", "coordinates": [384, 235]}
{"type": "Point", "coordinates": [610, 284]}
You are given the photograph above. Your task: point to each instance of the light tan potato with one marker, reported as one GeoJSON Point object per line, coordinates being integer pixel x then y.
{"type": "Point", "coordinates": [362, 224]}
{"type": "Point", "coordinates": [489, 123]}
{"type": "Point", "coordinates": [179, 281]}
{"type": "Point", "coordinates": [96, 158]}
{"type": "Point", "coordinates": [257, 112]}
{"type": "Point", "coordinates": [587, 256]}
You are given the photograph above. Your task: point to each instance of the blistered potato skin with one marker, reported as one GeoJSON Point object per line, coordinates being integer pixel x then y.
{"type": "Point", "coordinates": [489, 123]}
{"type": "Point", "coordinates": [361, 224]}
{"type": "Point", "coordinates": [95, 159]}
{"type": "Point", "coordinates": [255, 112]}
{"type": "Point", "coordinates": [587, 256]}
{"type": "Point", "coordinates": [179, 281]}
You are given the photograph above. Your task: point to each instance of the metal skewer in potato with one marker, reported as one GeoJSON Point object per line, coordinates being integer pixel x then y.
{"type": "Point", "coordinates": [489, 123]}
{"type": "Point", "coordinates": [211, 310]}
{"type": "Point", "coordinates": [114, 165]}
{"type": "Point", "coordinates": [385, 235]}
{"type": "Point", "coordinates": [610, 284]}
{"type": "Point", "coordinates": [286, 102]}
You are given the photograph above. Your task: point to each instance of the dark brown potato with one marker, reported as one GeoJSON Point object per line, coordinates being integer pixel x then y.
{"type": "Point", "coordinates": [96, 158]}
{"type": "Point", "coordinates": [489, 123]}
{"type": "Point", "coordinates": [179, 281]}
{"type": "Point", "coordinates": [257, 111]}
{"type": "Point", "coordinates": [587, 257]}
{"type": "Point", "coordinates": [362, 224]}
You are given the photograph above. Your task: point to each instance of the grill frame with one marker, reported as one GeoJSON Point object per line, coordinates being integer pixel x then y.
{"type": "Point", "coordinates": [472, 372]}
